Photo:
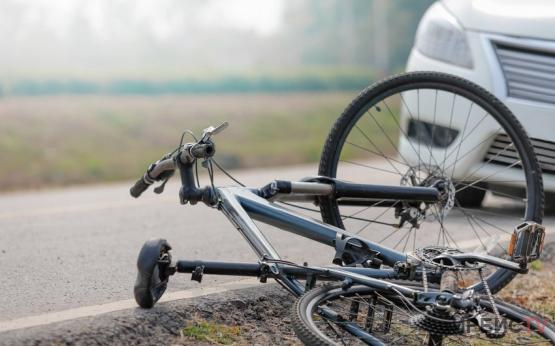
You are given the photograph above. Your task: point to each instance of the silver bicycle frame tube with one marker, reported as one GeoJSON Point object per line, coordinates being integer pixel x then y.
{"type": "Point", "coordinates": [232, 209]}
{"type": "Point", "coordinates": [241, 206]}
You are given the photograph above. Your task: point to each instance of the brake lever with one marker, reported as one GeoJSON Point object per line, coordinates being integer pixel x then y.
{"type": "Point", "coordinates": [211, 131]}
{"type": "Point", "coordinates": [160, 188]}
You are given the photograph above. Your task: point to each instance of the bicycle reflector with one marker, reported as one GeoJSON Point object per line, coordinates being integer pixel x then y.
{"type": "Point", "coordinates": [527, 242]}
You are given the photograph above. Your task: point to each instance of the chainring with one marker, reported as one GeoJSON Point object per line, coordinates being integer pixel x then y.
{"type": "Point", "coordinates": [438, 256]}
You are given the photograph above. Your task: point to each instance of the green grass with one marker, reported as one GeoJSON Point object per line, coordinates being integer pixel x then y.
{"type": "Point", "coordinates": [61, 140]}
{"type": "Point", "coordinates": [535, 290]}
{"type": "Point", "coordinates": [203, 331]}
{"type": "Point", "coordinates": [536, 265]}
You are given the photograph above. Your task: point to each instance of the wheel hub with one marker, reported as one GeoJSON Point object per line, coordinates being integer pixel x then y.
{"type": "Point", "coordinates": [446, 200]}
{"type": "Point", "coordinates": [415, 214]}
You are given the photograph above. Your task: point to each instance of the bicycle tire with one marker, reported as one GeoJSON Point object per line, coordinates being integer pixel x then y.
{"type": "Point", "coordinates": [307, 331]}
{"type": "Point", "coordinates": [372, 95]}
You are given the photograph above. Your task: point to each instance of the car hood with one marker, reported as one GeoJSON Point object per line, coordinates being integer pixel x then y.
{"type": "Point", "coordinates": [530, 18]}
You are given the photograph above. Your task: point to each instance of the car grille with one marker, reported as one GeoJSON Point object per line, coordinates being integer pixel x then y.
{"type": "Point", "coordinates": [529, 73]}
{"type": "Point", "coordinates": [545, 152]}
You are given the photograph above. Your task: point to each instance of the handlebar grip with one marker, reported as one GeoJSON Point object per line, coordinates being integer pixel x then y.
{"type": "Point", "coordinates": [139, 187]}
{"type": "Point", "coordinates": [202, 150]}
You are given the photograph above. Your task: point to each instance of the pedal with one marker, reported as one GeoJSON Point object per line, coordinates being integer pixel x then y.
{"type": "Point", "coordinates": [527, 242]}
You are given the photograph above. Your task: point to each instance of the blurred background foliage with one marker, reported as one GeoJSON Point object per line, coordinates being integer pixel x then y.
{"type": "Point", "coordinates": [119, 47]}
{"type": "Point", "coordinates": [94, 90]}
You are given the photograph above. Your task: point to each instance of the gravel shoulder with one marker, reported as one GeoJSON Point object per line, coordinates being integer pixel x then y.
{"type": "Point", "coordinates": [261, 312]}
{"type": "Point", "coordinates": [257, 315]}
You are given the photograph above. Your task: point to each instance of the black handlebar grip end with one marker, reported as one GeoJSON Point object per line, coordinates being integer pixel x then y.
{"type": "Point", "coordinates": [139, 187]}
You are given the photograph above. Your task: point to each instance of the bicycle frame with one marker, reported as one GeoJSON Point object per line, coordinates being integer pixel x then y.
{"type": "Point", "coordinates": [242, 206]}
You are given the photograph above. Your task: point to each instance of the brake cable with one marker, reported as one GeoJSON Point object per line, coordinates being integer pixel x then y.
{"type": "Point", "coordinates": [228, 174]}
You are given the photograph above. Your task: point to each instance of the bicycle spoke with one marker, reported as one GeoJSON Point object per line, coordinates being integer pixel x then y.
{"type": "Point", "coordinates": [418, 118]}
{"type": "Point", "coordinates": [362, 210]}
{"type": "Point", "coordinates": [400, 240]}
{"type": "Point", "coordinates": [486, 162]}
{"type": "Point", "coordinates": [485, 178]}
{"type": "Point", "coordinates": [382, 154]}
{"type": "Point", "coordinates": [387, 136]}
{"type": "Point", "coordinates": [400, 128]}
{"type": "Point", "coordinates": [378, 154]}
{"type": "Point", "coordinates": [433, 128]}
{"type": "Point", "coordinates": [472, 150]}
{"type": "Point", "coordinates": [377, 217]}
{"type": "Point", "coordinates": [443, 230]}
{"type": "Point", "coordinates": [414, 241]}
{"type": "Point", "coordinates": [460, 144]}
{"type": "Point", "coordinates": [389, 235]}
{"type": "Point", "coordinates": [451, 152]}
{"type": "Point", "coordinates": [476, 233]}
{"type": "Point", "coordinates": [368, 166]}
{"type": "Point", "coordinates": [411, 116]}
{"type": "Point", "coordinates": [408, 237]}
{"type": "Point", "coordinates": [492, 190]}
{"type": "Point", "coordinates": [489, 224]}
{"type": "Point", "coordinates": [450, 126]}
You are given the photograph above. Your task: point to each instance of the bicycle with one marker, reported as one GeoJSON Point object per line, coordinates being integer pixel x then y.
{"type": "Point", "coordinates": [434, 293]}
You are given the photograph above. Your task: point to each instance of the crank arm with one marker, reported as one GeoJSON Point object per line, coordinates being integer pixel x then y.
{"type": "Point", "coordinates": [487, 259]}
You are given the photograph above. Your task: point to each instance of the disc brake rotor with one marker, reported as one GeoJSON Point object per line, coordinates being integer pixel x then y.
{"type": "Point", "coordinates": [446, 199]}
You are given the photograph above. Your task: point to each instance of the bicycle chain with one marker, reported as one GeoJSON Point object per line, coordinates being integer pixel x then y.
{"type": "Point", "coordinates": [424, 278]}
{"type": "Point", "coordinates": [495, 333]}
{"type": "Point", "coordinates": [426, 321]}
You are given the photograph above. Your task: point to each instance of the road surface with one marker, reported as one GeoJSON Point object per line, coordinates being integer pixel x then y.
{"type": "Point", "coordinates": [68, 248]}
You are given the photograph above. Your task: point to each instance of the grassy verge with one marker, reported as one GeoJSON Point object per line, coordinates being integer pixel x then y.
{"type": "Point", "coordinates": [534, 290]}
{"type": "Point", "coordinates": [220, 334]}
{"type": "Point", "coordinates": [60, 140]}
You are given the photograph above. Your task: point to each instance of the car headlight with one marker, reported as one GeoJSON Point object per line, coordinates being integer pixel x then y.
{"type": "Point", "coordinates": [439, 36]}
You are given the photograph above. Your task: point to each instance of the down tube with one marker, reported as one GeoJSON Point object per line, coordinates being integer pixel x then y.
{"type": "Point", "coordinates": [261, 210]}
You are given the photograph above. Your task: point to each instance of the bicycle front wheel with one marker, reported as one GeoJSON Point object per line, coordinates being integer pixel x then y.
{"type": "Point", "coordinates": [433, 129]}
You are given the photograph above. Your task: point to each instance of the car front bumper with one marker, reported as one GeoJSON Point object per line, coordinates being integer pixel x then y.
{"type": "Point", "coordinates": [538, 118]}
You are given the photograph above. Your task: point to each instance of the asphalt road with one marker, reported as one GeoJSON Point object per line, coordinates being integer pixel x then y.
{"type": "Point", "coordinates": [67, 248]}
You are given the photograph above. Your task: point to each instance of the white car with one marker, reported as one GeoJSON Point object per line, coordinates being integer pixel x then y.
{"type": "Point", "coordinates": [507, 47]}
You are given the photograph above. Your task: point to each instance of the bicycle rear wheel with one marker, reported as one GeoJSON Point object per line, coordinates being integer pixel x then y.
{"type": "Point", "coordinates": [433, 129]}
{"type": "Point", "coordinates": [330, 315]}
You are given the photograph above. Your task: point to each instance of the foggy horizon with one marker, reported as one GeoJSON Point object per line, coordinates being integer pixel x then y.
{"type": "Point", "coordinates": [61, 36]}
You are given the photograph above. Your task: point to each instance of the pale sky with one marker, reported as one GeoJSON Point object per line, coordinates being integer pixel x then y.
{"type": "Point", "coordinates": [263, 17]}
{"type": "Point", "coordinates": [50, 35]}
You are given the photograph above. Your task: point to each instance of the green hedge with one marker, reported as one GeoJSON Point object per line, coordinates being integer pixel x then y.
{"type": "Point", "coordinates": [225, 84]}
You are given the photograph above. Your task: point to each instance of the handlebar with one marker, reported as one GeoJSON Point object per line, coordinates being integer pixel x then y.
{"type": "Point", "coordinates": [186, 155]}
{"type": "Point", "coordinates": [139, 187]}
{"type": "Point", "coordinates": [199, 151]}
{"type": "Point", "coordinates": [157, 171]}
